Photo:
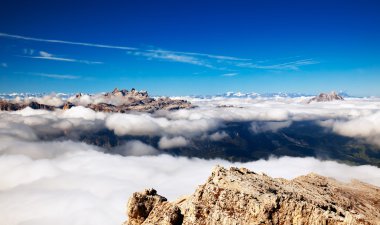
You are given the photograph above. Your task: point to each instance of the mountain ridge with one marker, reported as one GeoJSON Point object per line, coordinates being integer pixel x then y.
{"type": "Point", "coordinates": [121, 101]}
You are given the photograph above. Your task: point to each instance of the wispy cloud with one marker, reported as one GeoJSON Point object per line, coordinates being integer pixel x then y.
{"type": "Point", "coordinates": [45, 54]}
{"type": "Point", "coordinates": [171, 56]}
{"type": "Point", "coordinates": [219, 62]}
{"type": "Point", "coordinates": [66, 42]}
{"type": "Point", "coordinates": [294, 65]}
{"type": "Point", "coordinates": [229, 74]}
{"type": "Point", "coordinates": [211, 61]}
{"type": "Point", "coordinates": [4, 65]}
{"type": "Point", "coordinates": [175, 56]}
{"type": "Point", "coordinates": [117, 47]}
{"type": "Point", "coordinates": [28, 51]}
{"type": "Point", "coordinates": [220, 57]}
{"type": "Point", "coordinates": [56, 76]}
{"type": "Point", "coordinates": [48, 56]}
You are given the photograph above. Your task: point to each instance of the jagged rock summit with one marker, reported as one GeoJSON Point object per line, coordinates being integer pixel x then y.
{"type": "Point", "coordinates": [124, 101]}
{"type": "Point", "coordinates": [326, 97]}
{"type": "Point", "coordinates": [239, 196]}
{"type": "Point", "coordinates": [116, 101]}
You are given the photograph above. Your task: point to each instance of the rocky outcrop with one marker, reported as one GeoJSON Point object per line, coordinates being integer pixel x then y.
{"type": "Point", "coordinates": [148, 202]}
{"type": "Point", "coordinates": [239, 196]}
{"type": "Point", "coordinates": [326, 97]}
{"type": "Point", "coordinates": [121, 101]}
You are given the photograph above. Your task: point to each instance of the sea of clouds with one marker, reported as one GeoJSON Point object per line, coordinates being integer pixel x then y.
{"type": "Point", "coordinates": [48, 177]}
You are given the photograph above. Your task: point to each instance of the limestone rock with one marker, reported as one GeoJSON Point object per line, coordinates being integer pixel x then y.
{"type": "Point", "coordinates": [164, 213]}
{"type": "Point", "coordinates": [141, 204]}
{"type": "Point", "coordinates": [239, 196]}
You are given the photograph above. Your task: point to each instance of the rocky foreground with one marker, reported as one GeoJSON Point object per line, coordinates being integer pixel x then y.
{"type": "Point", "coordinates": [121, 101]}
{"type": "Point", "coordinates": [239, 196]}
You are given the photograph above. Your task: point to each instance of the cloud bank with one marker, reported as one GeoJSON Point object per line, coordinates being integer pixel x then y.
{"type": "Point", "coordinates": [367, 127]}
{"type": "Point", "coordinates": [85, 186]}
{"type": "Point", "coordinates": [356, 118]}
{"type": "Point", "coordinates": [49, 176]}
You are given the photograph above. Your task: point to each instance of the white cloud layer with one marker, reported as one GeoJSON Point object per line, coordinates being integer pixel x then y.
{"type": "Point", "coordinates": [367, 127]}
{"type": "Point", "coordinates": [68, 182]}
{"type": "Point", "coordinates": [83, 186]}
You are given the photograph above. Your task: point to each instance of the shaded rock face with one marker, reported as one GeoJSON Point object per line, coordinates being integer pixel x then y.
{"type": "Point", "coordinates": [238, 196]}
{"type": "Point", "coordinates": [326, 97]}
{"type": "Point", "coordinates": [116, 101]}
{"type": "Point", "coordinates": [148, 202]}
{"type": "Point", "coordinates": [67, 105]}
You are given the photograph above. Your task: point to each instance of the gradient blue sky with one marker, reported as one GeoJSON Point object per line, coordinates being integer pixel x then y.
{"type": "Point", "coordinates": [190, 47]}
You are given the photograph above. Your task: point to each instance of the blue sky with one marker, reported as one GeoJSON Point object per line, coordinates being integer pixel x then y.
{"type": "Point", "coordinates": [190, 47]}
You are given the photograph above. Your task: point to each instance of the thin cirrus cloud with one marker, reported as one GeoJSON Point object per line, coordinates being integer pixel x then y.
{"type": "Point", "coordinates": [48, 56]}
{"type": "Point", "coordinates": [229, 74]}
{"type": "Point", "coordinates": [211, 61]}
{"type": "Point", "coordinates": [171, 56]}
{"type": "Point", "coordinates": [65, 42]}
{"type": "Point", "coordinates": [111, 46]}
{"type": "Point", "coordinates": [221, 57]}
{"type": "Point", "coordinates": [57, 76]}
{"type": "Point", "coordinates": [294, 65]}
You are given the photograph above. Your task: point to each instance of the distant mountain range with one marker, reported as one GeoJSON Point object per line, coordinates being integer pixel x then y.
{"type": "Point", "coordinates": [273, 95]}
{"type": "Point", "coordinates": [26, 95]}
{"type": "Point", "coordinates": [121, 101]}
{"type": "Point", "coordinates": [10, 96]}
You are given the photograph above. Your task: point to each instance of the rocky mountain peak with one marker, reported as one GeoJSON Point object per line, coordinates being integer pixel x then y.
{"type": "Point", "coordinates": [116, 90]}
{"type": "Point", "coordinates": [326, 97]}
{"type": "Point", "coordinates": [240, 196]}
